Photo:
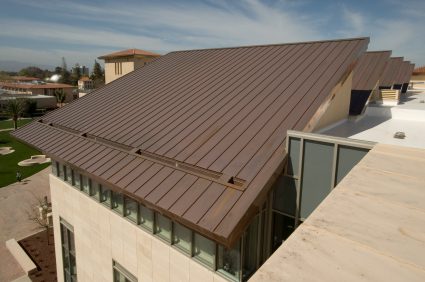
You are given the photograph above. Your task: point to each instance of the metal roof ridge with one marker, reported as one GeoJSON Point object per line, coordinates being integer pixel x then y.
{"type": "Point", "coordinates": [275, 44]}
{"type": "Point", "coordinates": [377, 51]}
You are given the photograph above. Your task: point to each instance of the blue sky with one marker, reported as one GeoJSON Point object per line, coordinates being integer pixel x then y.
{"type": "Point", "coordinates": [42, 31]}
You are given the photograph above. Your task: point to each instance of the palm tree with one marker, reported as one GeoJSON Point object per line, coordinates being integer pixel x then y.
{"type": "Point", "coordinates": [15, 109]}
{"type": "Point", "coordinates": [60, 96]}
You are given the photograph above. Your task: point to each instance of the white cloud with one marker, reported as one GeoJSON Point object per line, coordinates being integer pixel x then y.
{"type": "Point", "coordinates": [400, 33]}
{"type": "Point", "coordinates": [157, 24]}
{"type": "Point", "coordinates": [355, 21]}
{"type": "Point", "coordinates": [51, 57]}
{"type": "Point", "coordinates": [181, 25]}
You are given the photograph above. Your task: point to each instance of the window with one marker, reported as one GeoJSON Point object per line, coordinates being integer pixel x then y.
{"type": "Point", "coordinates": [77, 180]}
{"type": "Point", "coordinates": [117, 202]}
{"type": "Point", "coordinates": [94, 190]}
{"type": "Point", "coordinates": [118, 68]}
{"type": "Point", "coordinates": [68, 172]}
{"type": "Point", "coordinates": [163, 227]}
{"type": "Point", "coordinates": [145, 218]}
{"type": "Point", "coordinates": [250, 249]}
{"type": "Point", "coordinates": [182, 238]}
{"type": "Point", "coordinates": [61, 171]}
{"type": "Point", "coordinates": [55, 168]}
{"type": "Point", "coordinates": [130, 209]}
{"type": "Point", "coordinates": [105, 196]}
{"type": "Point", "coordinates": [229, 261]}
{"type": "Point", "coordinates": [121, 274]}
{"type": "Point", "coordinates": [85, 184]}
{"type": "Point", "coordinates": [283, 226]}
{"type": "Point", "coordinates": [285, 195]}
{"type": "Point", "coordinates": [68, 251]}
{"type": "Point", "coordinates": [204, 250]}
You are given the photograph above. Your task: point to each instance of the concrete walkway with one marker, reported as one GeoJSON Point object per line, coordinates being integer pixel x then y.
{"type": "Point", "coordinates": [15, 200]}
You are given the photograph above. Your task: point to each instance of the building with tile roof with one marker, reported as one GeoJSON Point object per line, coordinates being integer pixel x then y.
{"type": "Point", "coordinates": [122, 62]}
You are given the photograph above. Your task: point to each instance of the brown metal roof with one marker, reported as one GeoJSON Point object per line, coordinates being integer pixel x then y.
{"type": "Point", "coordinates": [401, 76]}
{"type": "Point", "coordinates": [391, 71]}
{"type": "Point", "coordinates": [129, 53]}
{"type": "Point", "coordinates": [369, 68]}
{"type": "Point", "coordinates": [198, 118]}
{"type": "Point", "coordinates": [408, 73]}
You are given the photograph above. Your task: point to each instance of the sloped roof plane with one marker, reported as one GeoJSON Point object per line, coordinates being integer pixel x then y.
{"type": "Point", "coordinates": [401, 76]}
{"type": "Point", "coordinates": [407, 74]}
{"type": "Point", "coordinates": [369, 68]}
{"type": "Point", "coordinates": [391, 71]}
{"type": "Point", "coordinates": [198, 135]}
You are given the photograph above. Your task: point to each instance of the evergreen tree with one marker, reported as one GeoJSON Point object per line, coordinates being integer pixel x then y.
{"type": "Point", "coordinates": [65, 75]}
{"type": "Point", "coordinates": [58, 70]}
{"type": "Point", "coordinates": [33, 72]}
{"type": "Point", "coordinates": [98, 75]}
{"type": "Point", "coordinates": [76, 74]}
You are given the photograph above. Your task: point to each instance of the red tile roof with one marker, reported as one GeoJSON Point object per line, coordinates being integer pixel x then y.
{"type": "Point", "coordinates": [184, 125]}
{"type": "Point", "coordinates": [35, 86]}
{"type": "Point", "coordinates": [24, 78]}
{"type": "Point", "coordinates": [419, 70]}
{"type": "Point", "coordinates": [129, 52]}
{"type": "Point", "coordinates": [85, 78]}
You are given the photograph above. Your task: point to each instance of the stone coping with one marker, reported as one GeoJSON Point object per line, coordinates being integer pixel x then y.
{"type": "Point", "coordinates": [21, 256]}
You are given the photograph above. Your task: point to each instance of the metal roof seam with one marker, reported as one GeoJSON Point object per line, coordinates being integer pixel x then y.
{"type": "Point", "coordinates": [234, 113]}
{"type": "Point", "coordinates": [205, 89]}
{"type": "Point", "coordinates": [218, 114]}
{"type": "Point", "coordinates": [205, 102]}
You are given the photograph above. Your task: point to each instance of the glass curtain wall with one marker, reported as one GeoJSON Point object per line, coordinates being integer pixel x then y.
{"type": "Point", "coordinates": [316, 164]}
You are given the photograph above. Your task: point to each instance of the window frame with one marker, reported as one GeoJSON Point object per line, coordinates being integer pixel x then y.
{"type": "Point", "coordinates": [175, 244]}
{"type": "Point", "coordinates": [161, 218]}
{"type": "Point", "coordinates": [213, 265]}
{"type": "Point", "coordinates": [68, 250]}
{"type": "Point", "coordinates": [121, 270]}
{"type": "Point", "coordinates": [127, 216]}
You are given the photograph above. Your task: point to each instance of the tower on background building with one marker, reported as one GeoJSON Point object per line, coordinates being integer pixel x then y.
{"type": "Point", "coordinates": [120, 63]}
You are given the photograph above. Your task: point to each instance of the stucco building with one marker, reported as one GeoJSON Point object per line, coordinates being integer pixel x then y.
{"type": "Point", "coordinates": [122, 62]}
{"type": "Point", "coordinates": [38, 88]}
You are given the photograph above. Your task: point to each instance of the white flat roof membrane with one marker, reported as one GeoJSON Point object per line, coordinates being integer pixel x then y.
{"type": "Point", "coordinates": [379, 124]}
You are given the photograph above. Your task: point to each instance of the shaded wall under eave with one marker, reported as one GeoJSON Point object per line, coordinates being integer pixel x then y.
{"type": "Point", "coordinates": [338, 105]}
{"type": "Point", "coordinates": [407, 78]}
{"type": "Point", "coordinates": [358, 101]}
{"type": "Point", "coordinates": [366, 79]}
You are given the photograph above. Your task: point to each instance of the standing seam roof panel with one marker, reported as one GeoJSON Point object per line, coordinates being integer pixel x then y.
{"type": "Point", "coordinates": [207, 130]}
{"type": "Point", "coordinates": [251, 151]}
{"type": "Point", "coordinates": [158, 87]}
{"type": "Point", "coordinates": [178, 98]}
{"type": "Point", "coordinates": [207, 97]}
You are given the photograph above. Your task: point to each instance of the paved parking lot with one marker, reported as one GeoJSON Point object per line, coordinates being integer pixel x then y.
{"type": "Point", "coordinates": [15, 200]}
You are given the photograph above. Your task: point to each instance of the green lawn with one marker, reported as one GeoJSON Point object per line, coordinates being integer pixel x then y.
{"type": "Point", "coordinates": [5, 124]}
{"type": "Point", "coordinates": [9, 163]}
